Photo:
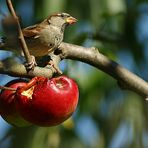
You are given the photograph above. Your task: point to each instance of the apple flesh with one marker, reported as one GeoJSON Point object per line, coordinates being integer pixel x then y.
{"type": "Point", "coordinates": [8, 109]}
{"type": "Point", "coordinates": [48, 102]}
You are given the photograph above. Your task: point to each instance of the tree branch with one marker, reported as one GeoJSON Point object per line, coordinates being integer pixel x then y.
{"type": "Point", "coordinates": [125, 78]}
{"type": "Point", "coordinates": [12, 68]}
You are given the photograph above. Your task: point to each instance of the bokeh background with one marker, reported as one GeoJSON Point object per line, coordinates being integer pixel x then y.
{"type": "Point", "coordinates": [106, 117]}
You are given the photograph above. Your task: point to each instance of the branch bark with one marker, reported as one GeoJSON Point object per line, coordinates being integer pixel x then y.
{"type": "Point", "coordinates": [12, 68]}
{"type": "Point", "coordinates": [125, 78]}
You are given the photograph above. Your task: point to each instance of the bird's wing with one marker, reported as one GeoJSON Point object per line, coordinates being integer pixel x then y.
{"type": "Point", "coordinates": [31, 31]}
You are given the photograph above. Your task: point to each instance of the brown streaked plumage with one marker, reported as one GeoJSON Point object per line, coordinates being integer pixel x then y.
{"type": "Point", "coordinates": [42, 38]}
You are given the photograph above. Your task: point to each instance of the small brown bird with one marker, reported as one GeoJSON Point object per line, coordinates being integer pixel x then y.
{"type": "Point", "coordinates": [42, 38]}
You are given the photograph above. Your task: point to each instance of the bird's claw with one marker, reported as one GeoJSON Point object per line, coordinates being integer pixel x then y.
{"type": "Point", "coordinates": [56, 68]}
{"type": "Point", "coordinates": [31, 65]}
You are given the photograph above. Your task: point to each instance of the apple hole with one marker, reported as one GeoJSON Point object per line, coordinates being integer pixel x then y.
{"type": "Point", "coordinates": [28, 93]}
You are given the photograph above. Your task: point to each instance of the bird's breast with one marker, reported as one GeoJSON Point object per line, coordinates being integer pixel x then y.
{"type": "Point", "coordinates": [37, 47]}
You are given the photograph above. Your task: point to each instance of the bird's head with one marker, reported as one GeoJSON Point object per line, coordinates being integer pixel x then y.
{"type": "Point", "coordinates": [61, 19]}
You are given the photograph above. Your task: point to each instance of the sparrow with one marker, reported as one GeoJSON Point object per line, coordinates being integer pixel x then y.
{"type": "Point", "coordinates": [41, 39]}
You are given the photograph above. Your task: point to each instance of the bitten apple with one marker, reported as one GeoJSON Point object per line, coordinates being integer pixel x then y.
{"type": "Point", "coordinates": [48, 102]}
{"type": "Point", "coordinates": [8, 109]}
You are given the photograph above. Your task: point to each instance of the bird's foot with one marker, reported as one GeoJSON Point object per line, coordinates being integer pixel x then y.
{"type": "Point", "coordinates": [55, 67]}
{"type": "Point", "coordinates": [31, 65]}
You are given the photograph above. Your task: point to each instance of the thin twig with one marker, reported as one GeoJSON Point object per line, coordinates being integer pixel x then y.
{"type": "Point", "coordinates": [8, 88]}
{"type": "Point", "coordinates": [21, 37]}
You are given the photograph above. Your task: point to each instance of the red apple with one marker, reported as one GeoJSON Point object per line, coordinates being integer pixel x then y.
{"type": "Point", "coordinates": [8, 109]}
{"type": "Point", "coordinates": [48, 102]}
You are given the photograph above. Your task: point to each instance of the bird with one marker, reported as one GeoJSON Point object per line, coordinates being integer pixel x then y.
{"type": "Point", "coordinates": [41, 39]}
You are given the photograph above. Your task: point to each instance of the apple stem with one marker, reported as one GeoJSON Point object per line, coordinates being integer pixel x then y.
{"type": "Point", "coordinates": [8, 88]}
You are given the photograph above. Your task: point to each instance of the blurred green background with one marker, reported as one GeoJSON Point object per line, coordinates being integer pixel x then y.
{"type": "Point", "coordinates": [106, 117]}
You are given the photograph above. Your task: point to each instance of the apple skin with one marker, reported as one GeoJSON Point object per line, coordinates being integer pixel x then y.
{"type": "Point", "coordinates": [52, 101]}
{"type": "Point", "coordinates": [8, 109]}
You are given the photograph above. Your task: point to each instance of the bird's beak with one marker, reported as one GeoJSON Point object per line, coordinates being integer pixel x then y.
{"type": "Point", "coordinates": [71, 20]}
